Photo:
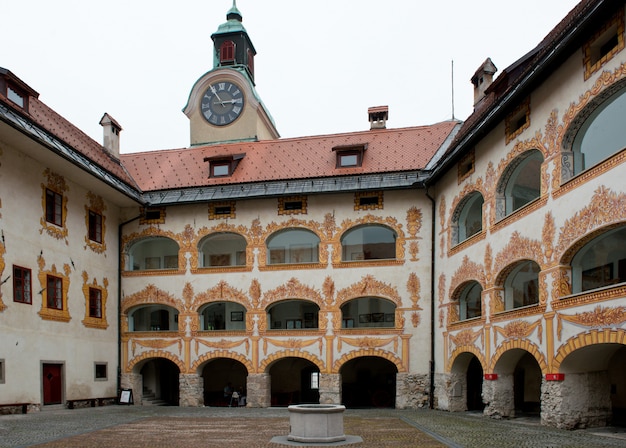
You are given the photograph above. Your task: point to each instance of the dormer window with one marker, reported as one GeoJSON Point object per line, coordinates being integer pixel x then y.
{"type": "Point", "coordinates": [350, 156]}
{"type": "Point", "coordinates": [227, 52]}
{"type": "Point", "coordinates": [15, 96]}
{"type": "Point", "coordinates": [223, 166]}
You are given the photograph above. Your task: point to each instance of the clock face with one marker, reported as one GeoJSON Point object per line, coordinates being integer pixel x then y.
{"type": "Point", "coordinates": [222, 103]}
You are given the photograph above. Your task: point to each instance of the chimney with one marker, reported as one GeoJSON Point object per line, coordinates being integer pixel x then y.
{"type": "Point", "coordinates": [482, 79]}
{"type": "Point", "coordinates": [112, 131]}
{"type": "Point", "coordinates": [378, 117]}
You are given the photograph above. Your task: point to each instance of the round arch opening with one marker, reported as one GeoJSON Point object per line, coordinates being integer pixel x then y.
{"type": "Point", "coordinates": [369, 382]}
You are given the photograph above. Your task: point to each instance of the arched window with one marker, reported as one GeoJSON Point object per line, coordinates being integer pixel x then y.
{"type": "Point", "coordinates": [153, 318]}
{"type": "Point", "coordinates": [602, 134]}
{"type": "Point", "coordinates": [227, 52]}
{"type": "Point", "coordinates": [467, 220]}
{"type": "Point", "coordinates": [153, 253]}
{"type": "Point", "coordinates": [368, 312]}
{"type": "Point", "coordinates": [293, 246]}
{"type": "Point", "coordinates": [521, 183]}
{"type": "Point", "coordinates": [601, 262]}
{"type": "Point", "coordinates": [521, 287]}
{"type": "Point", "coordinates": [368, 242]}
{"type": "Point", "coordinates": [223, 316]}
{"type": "Point", "coordinates": [470, 303]}
{"type": "Point", "coordinates": [222, 249]}
{"type": "Point", "coordinates": [293, 315]}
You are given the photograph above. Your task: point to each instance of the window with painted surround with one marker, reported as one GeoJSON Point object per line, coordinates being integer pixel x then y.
{"type": "Point", "coordinates": [467, 219]}
{"type": "Point", "coordinates": [54, 207]}
{"type": "Point", "coordinates": [604, 44]}
{"type": "Point", "coordinates": [368, 312]}
{"type": "Point", "coordinates": [521, 287]}
{"type": "Point", "coordinates": [293, 315]}
{"type": "Point", "coordinates": [95, 303]}
{"type": "Point", "coordinates": [601, 262]}
{"type": "Point", "coordinates": [602, 134]}
{"type": "Point", "coordinates": [228, 316]}
{"type": "Point", "coordinates": [470, 302]}
{"type": "Point", "coordinates": [153, 253]}
{"type": "Point", "coordinates": [95, 226]}
{"type": "Point", "coordinates": [54, 292]}
{"type": "Point", "coordinates": [153, 318]}
{"type": "Point", "coordinates": [368, 242]}
{"type": "Point", "coordinates": [222, 249]}
{"type": "Point", "coordinates": [22, 285]}
{"type": "Point", "coordinates": [520, 183]}
{"type": "Point", "coordinates": [293, 246]}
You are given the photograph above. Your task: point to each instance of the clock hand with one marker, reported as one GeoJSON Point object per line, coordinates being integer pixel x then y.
{"type": "Point", "coordinates": [216, 95]}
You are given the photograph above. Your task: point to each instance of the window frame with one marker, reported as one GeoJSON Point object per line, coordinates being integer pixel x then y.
{"type": "Point", "coordinates": [95, 303]}
{"type": "Point", "coordinates": [227, 52]}
{"type": "Point", "coordinates": [54, 292]}
{"type": "Point", "coordinates": [97, 365]}
{"type": "Point", "coordinates": [54, 207]}
{"type": "Point", "coordinates": [94, 232]}
{"type": "Point", "coordinates": [16, 287]}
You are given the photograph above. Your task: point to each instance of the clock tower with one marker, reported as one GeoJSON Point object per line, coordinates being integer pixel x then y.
{"type": "Point", "coordinates": [223, 105]}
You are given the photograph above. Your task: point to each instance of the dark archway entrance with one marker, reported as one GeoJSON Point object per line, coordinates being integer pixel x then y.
{"type": "Point", "coordinates": [527, 380]}
{"type": "Point", "coordinates": [220, 373]}
{"type": "Point", "coordinates": [160, 382]}
{"type": "Point", "coordinates": [475, 386]}
{"type": "Point", "coordinates": [368, 382]}
{"type": "Point", "coordinates": [294, 381]}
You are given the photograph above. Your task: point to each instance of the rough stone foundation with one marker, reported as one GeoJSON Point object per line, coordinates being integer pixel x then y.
{"type": "Point", "coordinates": [258, 390]}
{"type": "Point", "coordinates": [330, 388]}
{"type": "Point", "coordinates": [412, 391]}
{"type": "Point", "coordinates": [191, 390]}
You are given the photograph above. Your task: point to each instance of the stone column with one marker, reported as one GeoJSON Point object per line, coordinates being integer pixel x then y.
{"type": "Point", "coordinates": [133, 381]}
{"type": "Point", "coordinates": [330, 388]}
{"type": "Point", "coordinates": [191, 390]}
{"type": "Point", "coordinates": [259, 390]}
{"type": "Point", "coordinates": [498, 397]}
{"type": "Point", "coordinates": [412, 391]}
{"type": "Point", "coordinates": [579, 401]}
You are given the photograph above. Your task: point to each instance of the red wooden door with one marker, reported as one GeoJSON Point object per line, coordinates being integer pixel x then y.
{"type": "Point", "coordinates": [52, 384]}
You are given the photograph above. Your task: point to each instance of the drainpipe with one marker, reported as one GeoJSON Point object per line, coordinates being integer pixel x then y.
{"type": "Point", "coordinates": [431, 398]}
{"type": "Point", "coordinates": [119, 302]}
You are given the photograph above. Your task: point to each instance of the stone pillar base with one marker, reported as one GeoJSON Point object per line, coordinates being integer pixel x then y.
{"type": "Point", "coordinates": [258, 390]}
{"type": "Point", "coordinates": [330, 388]}
{"type": "Point", "coordinates": [412, 391]}
{"type": "Point", "coordinates": [133, 381]}
{"type": "Point", "coordinates": [191, 390]}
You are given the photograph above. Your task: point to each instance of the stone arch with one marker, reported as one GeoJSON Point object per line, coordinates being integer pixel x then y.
{"type": "Point", "coordinates": [518, 248]}
{"type": "Point", "coordinates": [369, 286]}
{"type": "Point", "coordinates": [221, 354]}
{"type": "Point", "coordinates": [468, 271]}
{"type": "Point", "coordinates": [369, 352]}
{"type": "Point", "coordinates": [151, 295]}
{"type": "Point", "coordinates": [523, 344]}
{"type": "Point", "coordinates": [222, 292]}
{"type": "Point", "coordinates": [152, 354]}
{"type": "Point", "coordinates": [292, 353]}
{"type": "Point", "coordinates": [606, 210]}
{"type": "Point", "coordinates": [592, 337]}
{"type": "Point", "coordinates": [464, 349]}
{"type": "Point", "coordinates": [293, 289]}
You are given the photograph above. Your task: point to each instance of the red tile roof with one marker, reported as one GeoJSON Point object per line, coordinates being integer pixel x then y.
{"type": "Point", "coordinates": [388, 150]}
{"type": "Point", "coordinates": [54, 123]}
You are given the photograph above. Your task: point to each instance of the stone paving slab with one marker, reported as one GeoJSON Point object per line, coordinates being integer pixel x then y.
{"type": "Point", "coordinates": [147, 426]}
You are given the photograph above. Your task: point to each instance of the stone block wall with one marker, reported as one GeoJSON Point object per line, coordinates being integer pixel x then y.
{"type": "Point", "coordinates": [330, 388]}
{"type": "Point", "coordinates": [412, 391]}
{"type": "Point", "coordinates": [191, 390]}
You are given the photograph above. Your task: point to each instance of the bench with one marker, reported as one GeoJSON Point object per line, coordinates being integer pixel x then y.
{"type": "Point", "coordinates": [22, 406]}
{"type": "Point", "coordinates": [92, 402]}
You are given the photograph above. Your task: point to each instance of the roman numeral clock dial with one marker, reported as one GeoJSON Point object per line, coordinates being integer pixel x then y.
{"type": "Point", "coordinates": [222, 103]}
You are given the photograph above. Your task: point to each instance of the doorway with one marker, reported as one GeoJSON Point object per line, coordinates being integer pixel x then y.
{"type": "Point", "coordinates": [52, 377]}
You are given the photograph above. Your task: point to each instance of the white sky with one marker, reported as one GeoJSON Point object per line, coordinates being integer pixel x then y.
{"type": "Point", "coordinates": [320, 63]}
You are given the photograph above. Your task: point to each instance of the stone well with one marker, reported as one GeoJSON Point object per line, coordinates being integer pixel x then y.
{"type": "Point", "coordinates": [316, 423]}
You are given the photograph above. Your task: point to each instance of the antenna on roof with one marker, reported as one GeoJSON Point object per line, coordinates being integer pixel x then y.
{"type": "Point", "coordinates": [452, 87]}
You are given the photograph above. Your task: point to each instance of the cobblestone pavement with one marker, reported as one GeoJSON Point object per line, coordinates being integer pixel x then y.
{"type": "Point", "coordinates": [171, 427]}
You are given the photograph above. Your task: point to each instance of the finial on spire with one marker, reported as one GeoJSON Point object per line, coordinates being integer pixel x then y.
{"type": "Point", "coordinates": [234, 13]}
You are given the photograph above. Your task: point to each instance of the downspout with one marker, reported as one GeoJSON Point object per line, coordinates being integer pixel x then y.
{"type": "Point", "coordinates": [431, 397]}
{"type": "Point", "coordinates": [119, 302]}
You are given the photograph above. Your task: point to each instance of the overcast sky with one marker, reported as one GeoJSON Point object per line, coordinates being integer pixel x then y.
{"type": "Point", "coordinates": [320, 63]}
